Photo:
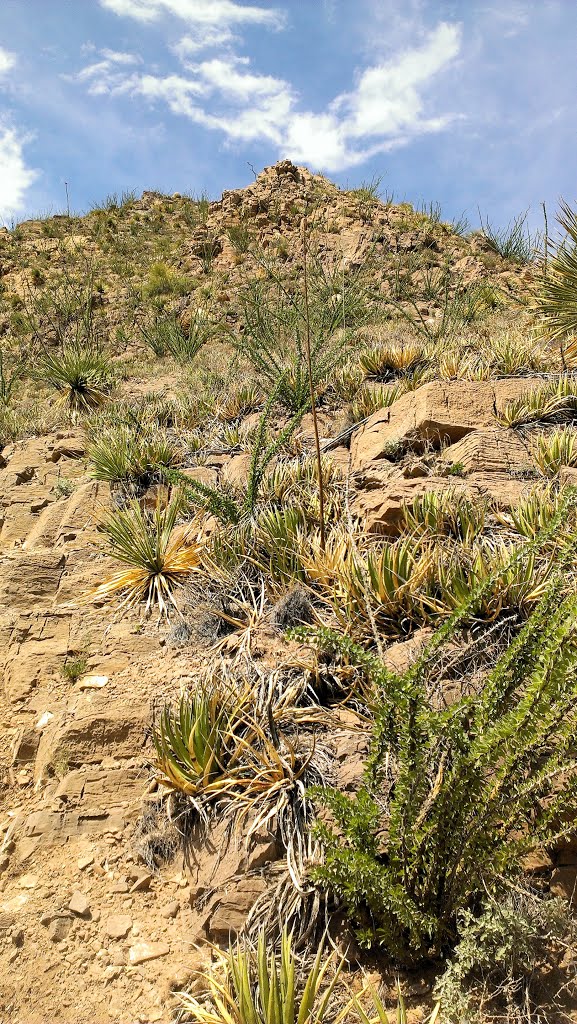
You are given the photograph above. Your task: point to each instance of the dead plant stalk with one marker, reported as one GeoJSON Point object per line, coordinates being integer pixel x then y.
{"type": "Point", "coordinates": [312, 387]}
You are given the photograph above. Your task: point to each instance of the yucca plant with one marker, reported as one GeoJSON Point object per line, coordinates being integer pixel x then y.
{"type": "Point", "coordinates": [131, 455]}
{"type": "Point", "coordinates": [456, 364]}
{"type": "Point", "coordinates": [242, 762]}
{"type": "Point", "coordinates": [385, 585]}
{"type": "Point", "coordinates": [200, 743]}
{"type": "Point", "coordinates": [82, 377]}
{"type": "Point", "coordinates": [556, 303]}
{"type": "Point", "coordinates": [279, 319]}
{"type": "Point", "coordinates": [166, 335]}
{"type": "Point", "coordinates": [158, 555]}
{"type": "Point", "coordinates": [515, 584]}
{"type": "Point", "coordinates": [515, 242]}
{"type": "Point", "coordinates": [513, 355]}
{"type": "Point", "coordinates": [239, 402]}
{"type": "Point", "coordinates": [535, 512]}
{"type": "Point", "coordinates": [370, 399]}
{"type": "Point", "coordinates": [556, 449]}
{"type": "Point", "coordinates": [249, 986]}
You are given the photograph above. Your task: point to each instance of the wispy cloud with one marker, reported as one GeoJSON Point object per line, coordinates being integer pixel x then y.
{"type": "Point", "coordinates": [386, 108]}
{"type": "Point", "coordinates": [222, 13]}
{"type": "Point", "coordinates": [104, 74]}
{"type": "Point", "coordinates": [15, 176]}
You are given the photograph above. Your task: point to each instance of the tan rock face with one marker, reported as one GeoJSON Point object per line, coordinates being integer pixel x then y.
{"type": "Point", "coordinates": [229, 916]}
{"type": "Point", "coordinates": [30, 580]}
{"type": "Point", "coordinates": [436, 413]}
{"type": "Point", "coordinates": [380, 508]}
{"type": "Point", "coordinates": [493, 450]}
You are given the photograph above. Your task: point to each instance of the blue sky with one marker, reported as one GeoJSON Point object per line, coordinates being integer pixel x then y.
{"type": "Point", "coordinates": [465, 102]}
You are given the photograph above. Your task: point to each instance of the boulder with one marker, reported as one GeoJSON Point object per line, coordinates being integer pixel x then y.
{"type": "Point", "coordinates": [380, 504]}
{"type": "Point", "coordinates": [94, 732]}
{"type": "Point", "coordinates": [437, 412]}
{"type": "Point", "coordinates": [233, 907]}
{"type": "Point", "coordinates": [492, 450]}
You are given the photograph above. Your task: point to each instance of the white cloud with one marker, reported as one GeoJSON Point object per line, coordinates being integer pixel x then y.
{"type": "Point", "coordinates": [7, 61]}
{"type": "Point", "coordinates": [386, 108]}
{"type": "Point", "coordinates": [104, 75]}
{"type": "Point", "coordinates": [206, 39]}
{"type": "Point", "coordinates": [15, 176]}
{"type": "Point", "coordinates": [222, 13]}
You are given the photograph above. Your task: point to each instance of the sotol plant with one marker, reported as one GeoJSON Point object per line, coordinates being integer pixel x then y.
{"type": "Point", "coordinates": [158, 555]}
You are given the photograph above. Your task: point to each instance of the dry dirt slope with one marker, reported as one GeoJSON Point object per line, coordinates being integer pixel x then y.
{"type": "Point", "coordinates": [87, 930]}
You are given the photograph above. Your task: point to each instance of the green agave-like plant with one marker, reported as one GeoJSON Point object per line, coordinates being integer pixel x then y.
{"type": "Point", "coordinates": [515, 583]}
{"type": "Point", "coordinates": [555, 398]}
{"type": "Point", "coordinates": [384, 362]}
{"type": "Point", "coordinates": [535, 512]}
{"type": "Point", "coordinates": [370, 399]}
{"type": "Point", "coordinates": [447, 514]}
{"type": "Point", "coordinates": [199, 744]}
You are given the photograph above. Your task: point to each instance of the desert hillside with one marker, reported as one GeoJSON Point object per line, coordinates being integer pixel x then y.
{"type": "Point", "coordinates": [287, 610]}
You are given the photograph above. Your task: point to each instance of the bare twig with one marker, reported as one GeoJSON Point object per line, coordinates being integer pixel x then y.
{"type": "Point", "coordinates": [312, 388]}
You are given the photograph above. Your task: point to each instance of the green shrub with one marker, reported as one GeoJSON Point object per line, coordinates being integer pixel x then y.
{"type": "Point", "coordinates": [162, 280]}
{"type": "Point", "coordinates": [457, 796]}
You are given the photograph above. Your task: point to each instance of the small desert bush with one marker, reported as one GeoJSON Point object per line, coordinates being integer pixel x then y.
{"type": "Point", "coordinates": [163, 280]}
{"type": "Point", "coordinates": [501, 951]}
{"type": "Point", "coordinates": [456, 796]}
{"type": "Point", "coordinates": [158, 555]}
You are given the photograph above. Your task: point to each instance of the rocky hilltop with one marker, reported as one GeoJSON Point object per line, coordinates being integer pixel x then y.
{"type": "Point", "coordinates": [433, 404]}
